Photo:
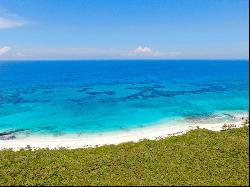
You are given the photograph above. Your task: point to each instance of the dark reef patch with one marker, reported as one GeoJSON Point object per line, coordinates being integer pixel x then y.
{"type": "Point", "coordinates": [47, 128]}
{"type": "Point", "coordinates": [151, 92]}
{"type": "Point", "coordinates": [103, 92]}
{"type": "Point", "coordinates": [17, 99]}
{"type": "Point", "coordinates": [9, 135]}
{"type": "Point", "coordinates": [145, 92]}
{"type": "Point", "coordinates": [77, 100]}
{"type": "Point", "coordinates": [83, 89]}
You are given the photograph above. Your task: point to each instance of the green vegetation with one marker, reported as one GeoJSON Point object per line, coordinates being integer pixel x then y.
{"type": "Point", "coordinates": [200, 157]}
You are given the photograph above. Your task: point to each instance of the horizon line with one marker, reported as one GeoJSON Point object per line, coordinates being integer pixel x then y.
{"type": "Point", "coordinates": [121, 59]}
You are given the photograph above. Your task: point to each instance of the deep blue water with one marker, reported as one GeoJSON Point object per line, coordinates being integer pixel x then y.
{"type": "Point", "coordinates": [95, 96]}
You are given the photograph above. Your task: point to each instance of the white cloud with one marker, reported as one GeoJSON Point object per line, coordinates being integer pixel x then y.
{"type": "Point", "coordinates": [4, 50]}
{"type": "Point", "coordinates": [143, 51]}
{"type": "Point", "coordinates": [148, 52]}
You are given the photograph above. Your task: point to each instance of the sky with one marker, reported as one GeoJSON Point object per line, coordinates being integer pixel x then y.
{"type": "Point", "coordinates": [124, 29]}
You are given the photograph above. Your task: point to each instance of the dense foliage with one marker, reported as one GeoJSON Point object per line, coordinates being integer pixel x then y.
{"type": "Point", "coordinates": [200, 157]}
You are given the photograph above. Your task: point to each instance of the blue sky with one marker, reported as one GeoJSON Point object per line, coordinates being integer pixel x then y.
{"type": "Point", "coordinates": [82, 29]}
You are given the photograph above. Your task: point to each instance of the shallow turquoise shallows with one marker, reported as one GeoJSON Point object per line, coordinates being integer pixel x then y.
{"type": "Point", "coordinates": [58, 97]}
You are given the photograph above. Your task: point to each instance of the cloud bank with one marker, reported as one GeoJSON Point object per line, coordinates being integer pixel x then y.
{"type": "Point", "coordinates": [86, 53]}
{"type": "Point", "coordinates": [140, 52]}
{"type": "Point", "coordinates": [143, 51]}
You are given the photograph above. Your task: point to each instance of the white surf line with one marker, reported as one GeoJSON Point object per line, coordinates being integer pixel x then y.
{"type": "Point", "coordinates": [96, 140]}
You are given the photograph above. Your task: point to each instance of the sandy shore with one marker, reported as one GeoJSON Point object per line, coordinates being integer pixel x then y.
{"type": "Point", "coordinates": [134, 135]}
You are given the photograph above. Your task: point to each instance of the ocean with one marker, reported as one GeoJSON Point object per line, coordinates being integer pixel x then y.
{"type": "Point", "coordinates": [96, 96]}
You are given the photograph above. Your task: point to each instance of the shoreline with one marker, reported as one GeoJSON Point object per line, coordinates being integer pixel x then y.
{"type": "Point", "coordinates": [154, 132]}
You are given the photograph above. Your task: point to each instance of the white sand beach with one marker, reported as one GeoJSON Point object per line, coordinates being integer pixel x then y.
{"type": "Point", "coordinates": [154, 132]}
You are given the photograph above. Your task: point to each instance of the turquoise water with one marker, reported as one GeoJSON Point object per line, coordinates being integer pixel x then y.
{"type": "Point", "coordinates": [58, 97]}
